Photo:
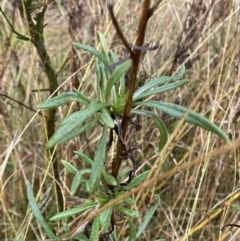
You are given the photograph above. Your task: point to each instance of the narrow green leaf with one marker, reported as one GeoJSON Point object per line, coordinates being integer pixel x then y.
{"type": "Point", "coordinates": [60, 100]}
{"type": "Point", "coordinates": [149, 85]}
{"type": "Point", "coordinates": [109, 178]}
{"type": "Point", "coordinates": [116, 75]}
{"type": "Point", "coordinates": [37, 213]}
{"type": "Point", "coordinates": [163, 132]}
{"type": "Point", "coordinates": [80, 237]}
{"type": "Point", "coordinates": [119, 104]}
{"type": "Point", "coordinates": [133, 233]}
{"type": "Point", "coordinates": [129, 201]}
{"type": "Point", "coordinates": [114, 94]}
{"type": "Point", "coordinates": [159, 123]}
{"type": "Point", "coordinates": [80, 116]}
{"type": "Point", "coordinates": [122, 80]}
{"type": "Point", "coordinates": [84, 157]}
{"type": "Point", "coordinates": [118, 94]}
{"type": "Point", "coordinates": [105, 219]}
{"type": "Point", "coordinates": [137, 180]}
{"type": "Point", "coordinates": [93, 51]}
{"type": "Point", "coordinates": [100, 81]}
{"type": "Point", "coordinates": [122, 88]}
{"type": "Point", "coordinates": [70, 167]}
{"type": "Point", "coordinates": [113, 236]}
{"type": "Point", "coordinates": [95, 229]}
{"type": "Point", "coordinates": [161, 89]}
{"type": "Point", "coordinates": [236, 207]}
{"type": "Point", "coordinates": [104, 45]}
{"type": "Point", "coordinates": [148, 217]}
{"type": "Point", "coordinates": [77, 180]}
{"type": "Point", "coordinates": [73, 211]}
{"type": "Point", "coordinates": [106, 118]}
{"type": "Point", "coordinates": [98, 163]}
{"type": "Point", "coordinates": [114, 56]}
{"type": "Point", "coordinates": [192, 117]}
{"type": "Point", "coordinates": [70, 126]}
{"type": "Point", "coordinates": [83, 97]}
{"type": "Point", "coordinates": [156, 82]}
{"type": "Point", "coordinates": [95, 102]}
{"type": "Point", "coordinates": [68, 135]}
{"type": "Point", "coordinates": [102, 198]}
{"type": "Point", "coordinates": [128, 212]}
{"type": "Point", "coordinates": [123, 174]}
{"type": "Point", "coordinates": [65, 227]}
{"type": "Point", "coordinates": [180, 73]}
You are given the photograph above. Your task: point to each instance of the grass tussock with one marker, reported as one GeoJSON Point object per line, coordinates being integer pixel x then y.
{"type": "Point", "coordinates": [197, 197]}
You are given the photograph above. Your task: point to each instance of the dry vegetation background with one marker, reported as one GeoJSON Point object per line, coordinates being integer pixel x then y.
{"type": "Point", "coordinates": [203, 34]}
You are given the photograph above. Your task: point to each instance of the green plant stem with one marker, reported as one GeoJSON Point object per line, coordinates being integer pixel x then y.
{"type": "Point", "coordinates": [36, 33]}
{"type": "Point", "coordinates": [20, 36]}
{"type": "Point", "coordinates": [131, 84]}
{"type": "Point", "coordinates": [36, 37]}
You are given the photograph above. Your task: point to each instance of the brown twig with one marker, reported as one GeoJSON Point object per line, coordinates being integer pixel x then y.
{"type": "Point", "coordinates": [136, 56]}
{"type": "Point", "coordinates": [154, 7]}
{"type": "Point", "coordinates": [142, 48]}
{"type": "Point", "coordinates": [230, 225]}
{"type": "Point", "coordinates": [119, 31]}
{"type": "Point", "coordinates": [20, 103]}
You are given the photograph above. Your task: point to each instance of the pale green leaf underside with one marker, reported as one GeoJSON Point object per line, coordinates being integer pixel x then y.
{"type": "Point", "coordinates": [116, 75]}
{"type": "Point", "coordinates": [37, 213]}
{"type": "Point", "coordinates": [161, 89]}
{"type": "Point", "coordinates": [191, 117]}
{"type": "Point", "coordinates": [61, 100]}
{"type": "Point", "coordinates": [77, 180]}
{"type": "Point", "coordinates": [93, 51]}
{"type": "Point", "coordinates": [95, 229]}
{"type": "Point", "coordinates": [104, 45]}
{"type": "Point", "coordinates": [70, 167]}
{"type": "Point", "coordinates": [73, 211]}
{"type": "Point", "coordinates": [156, 82]}
{"type": "Point", "coordinates": [98, 163]}
{"type": "Point", "coordinates": [106, 118]}
{"type": "Point", "coordinates": [137, 180]}
{"type": "Point", "coordinates": [84, 157]}
{"type": "Point", "coordinates": [159, 123]}
{"type": "Point", "coordinates": [70, 126]}
{"type": "Point", "coordinates": [148, 217]}
{"type": "Point", "coordinates": [133, 233]}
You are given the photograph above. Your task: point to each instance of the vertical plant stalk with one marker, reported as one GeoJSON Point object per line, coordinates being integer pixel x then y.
{"type": "Point", "coordinates": [36, 33]}
{"type": "Point", "coordinates": [136, 56]}
{"type": "Point", "coordinates": [74, 81]}
{"type": "Point", "coordinates": [73, 56]}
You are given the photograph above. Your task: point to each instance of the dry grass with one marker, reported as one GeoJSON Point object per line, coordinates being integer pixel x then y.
{"type": "Point", "coordinates": [196, 202]}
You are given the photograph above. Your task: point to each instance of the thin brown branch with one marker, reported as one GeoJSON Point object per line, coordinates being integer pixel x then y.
{"type": "Point", "coordinates": [142, 48]}
{"type": "Point", "coordinates": [131, 85]}
{"type": "Point", "coordinates": [20, 103]}
{"type": "Point", "coordinates": [154, 7]}
{"type": "Point", "coordinates": [230, 225]}
{"type": "Point", "coordinates": [119, 31]}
